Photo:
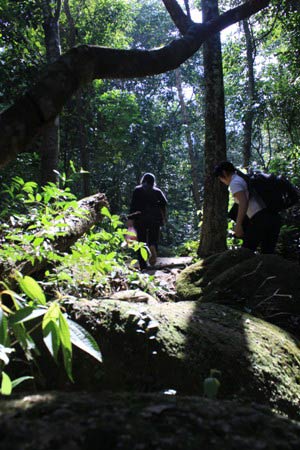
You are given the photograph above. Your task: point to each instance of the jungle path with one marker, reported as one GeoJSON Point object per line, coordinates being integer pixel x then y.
{"type": "Point", "coordinates": [166, 270]}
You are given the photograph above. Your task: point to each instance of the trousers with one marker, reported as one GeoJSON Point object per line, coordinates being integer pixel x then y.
{"type": "Point", "coordinates": [262, 231]}
{"type": "Point", "coordinates": [148, 232]}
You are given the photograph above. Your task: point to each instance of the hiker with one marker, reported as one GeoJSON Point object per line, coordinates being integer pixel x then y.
{"type": "Point", "coordinates": [147, 215]}
{"type": "Point", "coordinates": [255, 224]}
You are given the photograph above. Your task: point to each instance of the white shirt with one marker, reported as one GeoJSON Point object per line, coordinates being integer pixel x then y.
{"type": "Point", "coordinates": [238, 184]}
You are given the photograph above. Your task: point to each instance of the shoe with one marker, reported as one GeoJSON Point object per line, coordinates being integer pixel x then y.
{"type": "Point", "coordinates": [153, 255]}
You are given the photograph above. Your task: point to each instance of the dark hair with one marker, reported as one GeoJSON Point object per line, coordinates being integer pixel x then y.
{"type": "Point", "coordinates": [148, 178]}
{"type": "Point", "coordinates": [224, 166]}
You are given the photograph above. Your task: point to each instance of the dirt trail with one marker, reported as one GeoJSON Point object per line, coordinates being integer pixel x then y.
{"type": "Point", "coordinates": [166, 270]}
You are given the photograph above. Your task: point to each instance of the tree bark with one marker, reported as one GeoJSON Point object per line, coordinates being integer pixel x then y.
{"type": "Point", "coordinates": [40, 105]}
{"type": "Point", "coordinates": [214, 225]}
{"type": "Point", "coordinates": [188, 136]}
{"type": "Point", "coordinates": [90, 207]}
{"type": "Point", "coordinates": [50, 145]}
{"type": "Point", "coordinates": [248, 118]}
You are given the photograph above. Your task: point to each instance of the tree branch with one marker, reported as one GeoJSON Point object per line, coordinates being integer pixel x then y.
{"type": "Point", "coordinates": [21, 122]}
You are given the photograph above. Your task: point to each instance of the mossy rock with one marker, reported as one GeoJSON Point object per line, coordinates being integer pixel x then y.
{"type": "Point", "coordinates": [191, 281]}
{"type": "Point", "coordinates": [175, 345]}
{"type": "Point", "coordinates": [267, 286]}
{"type": "Point", "coordinates": [85, 421]}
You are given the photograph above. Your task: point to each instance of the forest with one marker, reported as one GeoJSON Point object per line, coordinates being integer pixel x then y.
{"type": "Point", "coordinates": [200, 349]}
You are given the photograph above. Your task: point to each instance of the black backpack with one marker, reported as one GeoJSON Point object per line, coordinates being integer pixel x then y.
{"type": "Point", "coordinates": [275, 190]}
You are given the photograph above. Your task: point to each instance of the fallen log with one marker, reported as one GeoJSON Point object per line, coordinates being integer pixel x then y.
{"type": "Point", "coordinates": [74, 227]}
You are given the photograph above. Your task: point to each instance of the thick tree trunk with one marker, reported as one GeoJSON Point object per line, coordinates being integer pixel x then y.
{"type": "Point", "coordinates": [214, 225]}
{"type": "Point", "coordinates": [191, 150]}
{"type": "Point", "coordinates": [50, 145]}
{"type": "Point", "coordinates": [248, 118]}
{"type": "Point", "coordinates": [21, 122]}
{"type": "Point", "coordinates": [75, 227]}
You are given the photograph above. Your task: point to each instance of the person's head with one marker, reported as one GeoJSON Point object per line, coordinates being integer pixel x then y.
{"type": "Point", "coordinates": [224, 171]}
{"type": "Point", "coordinates": [148, 180]}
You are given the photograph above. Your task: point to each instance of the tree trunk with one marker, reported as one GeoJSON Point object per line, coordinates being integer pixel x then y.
{"type": "Point", "coordinates": [90, 209]}
{"type": "Point", "coordinates": [214, 226]}
{"type": "Point", "coordinates": [191, 150]}
{"type": "Point", "coordinates": [248, 118]}
{"type": "Point", "coordinates": [50, 145]}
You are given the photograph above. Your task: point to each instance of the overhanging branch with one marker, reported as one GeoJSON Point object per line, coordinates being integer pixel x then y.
{"type": "Point", "coordinates": [20, 123]}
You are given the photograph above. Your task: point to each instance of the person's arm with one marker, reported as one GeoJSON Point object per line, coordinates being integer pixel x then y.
{"type": "Point", "coordinates": [243, 206]}
{"type": "Point", "coordinates": [163, 207]}
{"type": "Point", "coordinates": [133, 209]}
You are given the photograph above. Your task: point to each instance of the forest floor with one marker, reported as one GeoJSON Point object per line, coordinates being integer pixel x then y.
{"type": "Point", "coordinates": [166, 270]}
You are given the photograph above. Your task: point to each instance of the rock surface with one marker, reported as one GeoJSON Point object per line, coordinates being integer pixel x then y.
{"type": "Point", "coordinates": [266, 286]}
{"type": "Point", "coordinates": [175, 345]}
{"type": "Point", "coordinates": [81, 421]}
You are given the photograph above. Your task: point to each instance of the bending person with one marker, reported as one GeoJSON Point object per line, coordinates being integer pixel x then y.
{"type": "Point", "coordinates": [263, 227]}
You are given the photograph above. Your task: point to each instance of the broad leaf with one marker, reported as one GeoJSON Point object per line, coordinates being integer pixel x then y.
{"type": "Point", "coordinates": [6, 384]}
{"type": "Point", "coordinates": [27, 313]}
{"type": "Point", "coordinates": [144, 253]}
{"type": "Point", "coordinates": [66, 344]}
{"type": "Point", "coordinates": [3, 328]}
{"type": "Point", "coordinates": [105, 212]}
{"type": "Point", "coordinates": [32, 289]}
{"type": "Point", "coordinates": [83, 340]}
{"type": "Point", "coordinates": [51, 338]}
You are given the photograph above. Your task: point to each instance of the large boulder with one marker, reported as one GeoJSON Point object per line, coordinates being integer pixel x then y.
{"type": "Point", "coordinates": [191, 281]}
{"type": "Point", "coordinates": [86, 421]}
{"type": "Point", "coordinates": [266, 286]}
{"type": "Point", "coordinates": [175, 345]}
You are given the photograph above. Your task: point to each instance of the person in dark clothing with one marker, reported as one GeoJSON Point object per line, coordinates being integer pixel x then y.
{"type": "Point", "coordinates": [261, 227]}
{"type": "Point", "coordinates": [147, 215]}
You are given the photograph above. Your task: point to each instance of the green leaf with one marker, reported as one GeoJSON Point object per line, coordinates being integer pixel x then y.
{"type": "Point", "coordinates": [20, 380]}
{"type": "Point", "coordinates": [23, 338]}
{"type": "Point", "coordinates": [144, 253]}
{"type": "Point", "coordinates": [27, 313]}
{"type": "Point", "coordinates": [51, 338]}
{"type": "Point", "coordinates": [105, 212]}
{"type": "Point", "coordinates": [32, 289]}
{"type": "Point", "coordinates": [6, 384]}
{"type": "Point", "coordinates": [84, 340]}
{"type": "Point", "coordinates": [65, 338]}
{"type": "Point", "coordinates": [3, 329]}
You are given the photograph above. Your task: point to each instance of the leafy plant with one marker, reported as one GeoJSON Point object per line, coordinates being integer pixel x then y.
{"type": "Point", "coordinates": [59, 332]}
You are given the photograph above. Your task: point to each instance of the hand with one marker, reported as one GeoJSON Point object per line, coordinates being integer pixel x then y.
{"type": "Point", "coordinates": [238, 231]}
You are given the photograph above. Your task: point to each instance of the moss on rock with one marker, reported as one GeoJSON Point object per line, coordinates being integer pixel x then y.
{"type": "Point", "coordinates": [193, 279]}
{"type": "Point", "coordinates": [267, 286]}
{"type": "Point", "coordinates": [174, 345]}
